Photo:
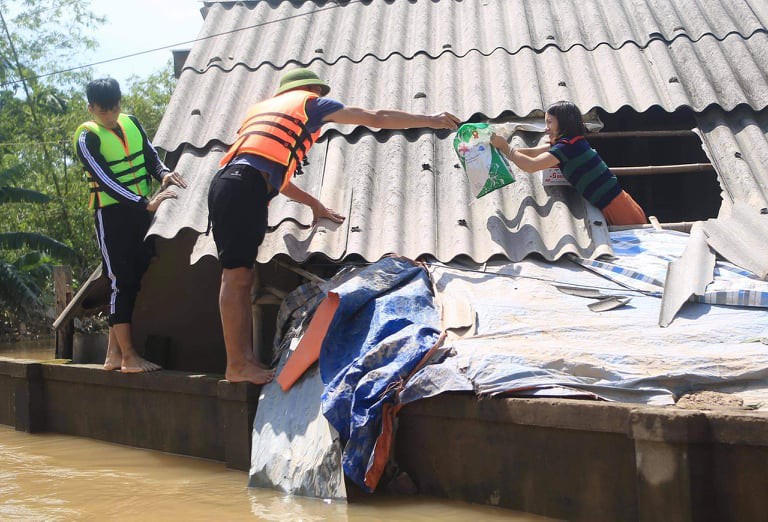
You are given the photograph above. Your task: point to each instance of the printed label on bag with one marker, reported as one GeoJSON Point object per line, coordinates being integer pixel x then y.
{"type": "Point", "coordinates": [553, 176]}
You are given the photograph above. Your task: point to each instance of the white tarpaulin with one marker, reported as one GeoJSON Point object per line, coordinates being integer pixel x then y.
{"type": "Point", "coordinates": [530, 338]}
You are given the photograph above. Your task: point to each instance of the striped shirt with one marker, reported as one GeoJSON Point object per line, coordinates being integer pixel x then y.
{"type": "Point", "coordinates": [586, 171]}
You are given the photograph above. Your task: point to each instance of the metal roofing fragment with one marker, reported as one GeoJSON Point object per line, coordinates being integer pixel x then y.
{"type": "Point", "coordinates": [742, 238]}
{"type": "Point", "coordinates": [687, 276]}
{"type": "Point", "coordinates": [609, 303]}
{"type": "Point", "coordinates": [737, 145]}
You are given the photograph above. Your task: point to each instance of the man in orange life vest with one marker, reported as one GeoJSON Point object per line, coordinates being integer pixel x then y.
{"type": "Point", "coordinates": [272, 141]}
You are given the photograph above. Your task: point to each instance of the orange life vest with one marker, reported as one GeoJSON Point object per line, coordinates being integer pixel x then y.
{"type": "Point", "coordinates": [276, 130]}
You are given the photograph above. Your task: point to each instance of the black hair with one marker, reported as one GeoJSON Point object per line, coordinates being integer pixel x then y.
{"type": "Point", "coordinates": [104, 92]}
{"type": "Point", "coordinates": [569, 120]}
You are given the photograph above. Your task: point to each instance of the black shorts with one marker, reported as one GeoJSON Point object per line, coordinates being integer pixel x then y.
{"type": "Point", "coordinates": [237, 208]}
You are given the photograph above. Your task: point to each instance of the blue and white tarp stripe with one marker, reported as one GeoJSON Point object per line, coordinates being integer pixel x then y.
{"type": "Point", "coordinates": [642, 258]}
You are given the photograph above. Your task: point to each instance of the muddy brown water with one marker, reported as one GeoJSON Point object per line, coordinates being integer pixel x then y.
{"type": "Point", "coordinates": [40, 349]}
{"type": "Point", "coordinates": [58, 477]}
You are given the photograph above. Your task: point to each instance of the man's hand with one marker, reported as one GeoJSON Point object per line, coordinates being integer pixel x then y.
{"type": "Point", "coordinates": [445, 120]}
{"type": "Point", "coordinates": [173, 178]}
{"type": "Point", "coordinates": [320, 211]}
{"type": "Point", "coordinates": [158, 198]}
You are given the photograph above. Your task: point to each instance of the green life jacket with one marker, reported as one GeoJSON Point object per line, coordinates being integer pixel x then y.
{"type": "Point", "coordinates": [125, 160]}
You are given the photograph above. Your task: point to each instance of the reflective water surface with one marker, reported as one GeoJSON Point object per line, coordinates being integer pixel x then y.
{"type": "Point", "coordinates": [41, 350]}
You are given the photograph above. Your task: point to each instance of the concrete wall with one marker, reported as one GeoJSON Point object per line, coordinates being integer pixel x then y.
{"type": "Point", "coordinates": [579, 460]}
{"type": "Point", "coordinates": [179, 303]}
{"type": "Point", "coordinates": [175, 412]}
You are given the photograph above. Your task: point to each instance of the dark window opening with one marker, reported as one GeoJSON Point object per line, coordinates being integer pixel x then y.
{"type": "Point", "coordinates": [670, 196]}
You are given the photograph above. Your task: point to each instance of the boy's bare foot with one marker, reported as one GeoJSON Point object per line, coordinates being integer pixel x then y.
{"type": "Point", "coordinates": [113, 363]}
{"type": "Point", "coordinates": [137, 364]}
{"type": "Point", "coordinates": [249, 372]}
{"type": "Point", "coordinates": [114, 359]}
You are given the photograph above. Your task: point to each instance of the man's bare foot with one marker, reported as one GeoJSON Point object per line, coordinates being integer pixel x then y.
{"type": "Point", "coordinates": [251, 358]}
{"type": "Point", "coordinates": [249, 372]}
{"type": "Point", "coordinates": [137, 364]}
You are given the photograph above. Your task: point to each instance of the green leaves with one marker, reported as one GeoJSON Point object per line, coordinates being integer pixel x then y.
{"type": "Point", "coordinates": [22, 279]}
{"type": "Point", "coordinates": [36, 241]}
{"type": "Point", "coordinates": [17, 195]}
{"type": "Point", "coordinates": [18, 293]}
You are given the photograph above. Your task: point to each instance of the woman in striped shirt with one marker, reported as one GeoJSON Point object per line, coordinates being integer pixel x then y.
{"type": "Point", "coordinates": [580, 164]}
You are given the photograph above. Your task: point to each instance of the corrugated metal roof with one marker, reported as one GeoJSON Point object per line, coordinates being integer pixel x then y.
{"type": "Point", "coordinates": [403, 193]}
{"type": "Point", "coordinates": [208, 107]}
{"type": "Point", "coordinates": [737, 145]}
{"type": "Point", "coordinates": [282, 33]}
{"type": "Point", "coordinates": [501, 62]}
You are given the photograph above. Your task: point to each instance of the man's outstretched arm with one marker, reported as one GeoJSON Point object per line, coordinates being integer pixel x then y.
{"type": "Point", "coordinates": [392, 119]}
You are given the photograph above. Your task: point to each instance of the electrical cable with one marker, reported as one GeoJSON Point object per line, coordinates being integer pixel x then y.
{"type": "Point", "coordinates": [139, 53]}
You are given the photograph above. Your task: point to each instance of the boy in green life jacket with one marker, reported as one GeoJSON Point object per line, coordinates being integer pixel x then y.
{"type": "Point", "coordinates": [119, 159]}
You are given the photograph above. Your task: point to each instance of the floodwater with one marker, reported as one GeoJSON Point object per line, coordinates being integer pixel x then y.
{"type": "Point", "coordinates": [58, 477]}
{"type": "Point", "coordinates": [39, 350]}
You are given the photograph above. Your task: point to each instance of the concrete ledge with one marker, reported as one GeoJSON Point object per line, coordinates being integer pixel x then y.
{"type": "Point", "coordinates": [545, 413]}
{"type": "Point", "coordinates": [20, 368]}
{"type": "Point", "coordinates": [161, 381]}
{"type": "Point", "coordinates": [188, 414]}
{"type": "Point", "coordinates": [634, 421]}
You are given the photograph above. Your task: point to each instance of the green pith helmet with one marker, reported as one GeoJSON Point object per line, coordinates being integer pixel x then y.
{"type": "Point", "coordinates": [299, 78]}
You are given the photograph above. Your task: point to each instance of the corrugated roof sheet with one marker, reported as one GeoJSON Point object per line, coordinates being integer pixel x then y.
{"type": "Point", "coordinates": [737, 145]}
{"type": "Point", "coordinates": [208, 107]}
{"type": "Point", "coordinates": [282, 33]}
{"type": "Point", "coordinates": [504, 58]}
{"type": "Point", "coordinates": [403, 193]}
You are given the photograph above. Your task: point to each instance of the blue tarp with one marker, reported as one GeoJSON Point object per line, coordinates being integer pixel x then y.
{"type": "Point", "coordinates": [385, 324]}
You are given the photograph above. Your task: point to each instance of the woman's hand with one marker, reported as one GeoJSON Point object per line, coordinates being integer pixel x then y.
{"type": "Point", "coordinates": [501, 144]}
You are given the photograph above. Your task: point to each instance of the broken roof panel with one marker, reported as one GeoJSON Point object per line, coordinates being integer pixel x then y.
{"type": "Point", "coordinates": [208, 107]}
{"type": "Point", "coordinates": [276, 34]}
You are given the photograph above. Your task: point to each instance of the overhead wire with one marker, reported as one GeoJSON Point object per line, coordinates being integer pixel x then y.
{"type": "Point", "coordinates": [164, 47]}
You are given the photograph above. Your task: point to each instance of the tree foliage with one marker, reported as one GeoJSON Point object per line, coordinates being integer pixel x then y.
{"type": "Point", "coordinates": [22, 279]}
{"type": "Point", "coordinates": [40, 108]}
